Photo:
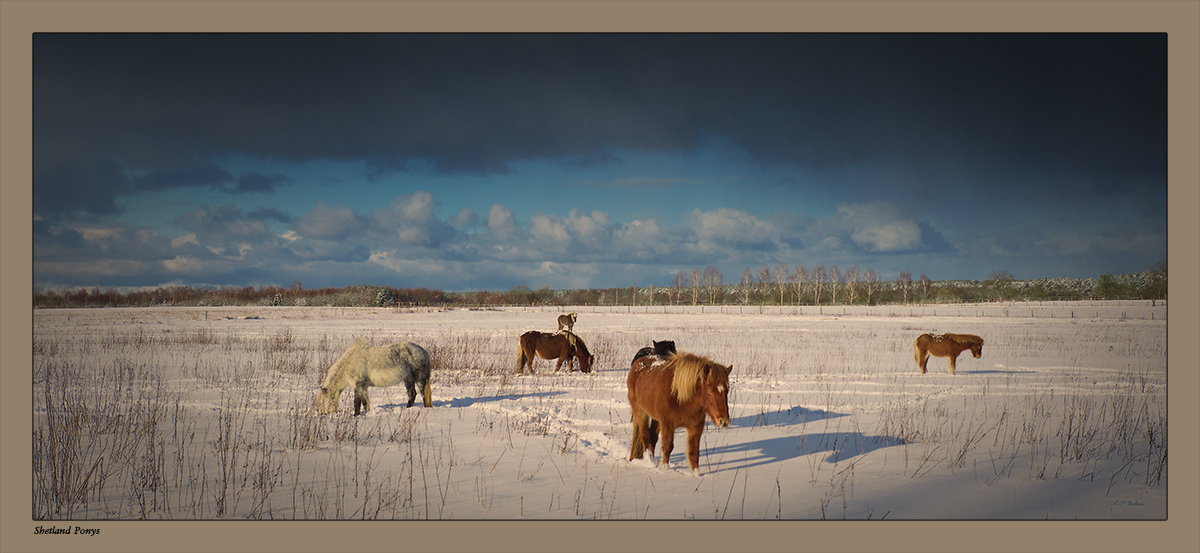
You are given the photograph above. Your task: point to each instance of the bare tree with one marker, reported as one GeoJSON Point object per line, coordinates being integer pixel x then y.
{"type": "Point", "coordinates": [835, 283]}
{"type": "Point", "coordinates": [712, 283]}
{"type": "Point", "coordinates": [781, 274]}
{"type": "Point", "coordinates": [799, 275]}
{"type": "Point", "coordinates": [904, 284]}
{"type": "Point", "coordinates": [633, 294]}
{"type": "Point", "coordinates": [746, 284]}
{"type": "Point", "coordinates": [818, 279]}
{"type": "Point", "coordinates": [871, 280]}
{"type": "Point", "coordinates": [695, 286]}
{"type": "Point", "coordinates": [764, 281]}
{"type": "Point", "coordinates": [852, 283]}
{"type": "Point", "coordinates": [651, 294]}
{"type": "Point", "coordinates": [926, 288]}
{"type": "Point", "coordinates": [677, 287]}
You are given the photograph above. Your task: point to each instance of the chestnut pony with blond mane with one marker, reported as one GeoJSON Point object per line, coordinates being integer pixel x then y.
{"type": "Point", "coordinates": [945, 345]}
{"type": "Point", "coordinates": [561, 346]}
{"type": "Point", "coordinates": [667, 392]}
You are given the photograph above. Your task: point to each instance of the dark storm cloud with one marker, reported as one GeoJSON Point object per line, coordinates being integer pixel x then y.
{"type": "Point", "coordinates": [264, 213]}
{"type": "Point", "coordinates": [1087, 110]}
{"type": "Point", "coordinates": [90, 187]}
{"type": "Point", "coordinates": [258, 182]}
{"type": "Point", "coordinates": [208, 175]}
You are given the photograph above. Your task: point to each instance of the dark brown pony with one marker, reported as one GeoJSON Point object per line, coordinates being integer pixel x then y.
{"type": "Point", "coordinates": [663, 349]}
{"type": "Point", "coordinates": [945, 345]}
{"type": "Point", "coordinates": [667, 392]}
{"type": "Point", "coordinates": [561, 346]}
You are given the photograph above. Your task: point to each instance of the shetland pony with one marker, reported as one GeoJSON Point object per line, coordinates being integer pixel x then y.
{"type": "Point", "coordinates": [945, 345]}
{"type": "Point", "coordinates": [664, 348]}
{"type": "Point", "coordinates": [567, 321]}
{"type": "Point", "coordinates": [563, 347]}
{"type": "Point", "coordinates": [364, 366]}
{"type": "Point", "coordinates": [666, 393]}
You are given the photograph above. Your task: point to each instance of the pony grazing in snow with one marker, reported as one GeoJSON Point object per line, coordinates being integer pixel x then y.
{"type": "Point", "coordinates": [364, 366]}
{"type": "Point", "coordinates": [561, 346]}
{"type": "Point", "coordinates": [945, 345]}
{"type": "Point", "coordinates": [666, 393]}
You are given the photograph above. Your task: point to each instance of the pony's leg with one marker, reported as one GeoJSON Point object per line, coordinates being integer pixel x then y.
{"type": "Point", "coordinates": [361, 399]}
{"type": "Point", "coordinates": [953, 358]}
{"type": "Point", "coordinates": [428, 393]}
{"type": "Point", "coordinates": [668, 444]}
{"type": "Point", "coordinates": [693, 438]}
{"type": "Point", "coordinates": [652, 435]}
{"type": "Point", "coordinates": [923, 361]}
{"type": "Point", "coordinates": [411, 386]}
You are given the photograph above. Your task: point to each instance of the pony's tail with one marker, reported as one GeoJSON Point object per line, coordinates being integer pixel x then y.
{"type": "Point", "coordinates": [637, 446]}
{"type": "Point", "coordinates": [520, 359]}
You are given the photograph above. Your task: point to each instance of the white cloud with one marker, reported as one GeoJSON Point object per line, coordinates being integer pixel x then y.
{"type": "Point", "coordinates": [465, 219]}
{"type": "Point", "coordinates": [329, 223]}
{"type": "Point", "coordinates": [410, 219]}
{"type": "Point", "coordinates": [877, 226]}
{"type": "Point", "coordinates": [549, 233]}
{"type": "Point", "coordinates": [502, 224]}
{"type": "Point", "coordinates": [724, 228]}
{"type": "Point", "coordinates": [643, 237]}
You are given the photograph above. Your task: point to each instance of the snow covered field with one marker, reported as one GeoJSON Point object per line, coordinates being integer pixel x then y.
{"type": "Point", "coordinates": [205, 413]}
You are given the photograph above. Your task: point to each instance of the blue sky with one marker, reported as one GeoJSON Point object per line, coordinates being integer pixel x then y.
{"type": "Point", "coordinates": [468, 162]}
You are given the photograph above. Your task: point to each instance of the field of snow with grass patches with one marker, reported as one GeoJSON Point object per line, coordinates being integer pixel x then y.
{"type": "Point", "coordinates": [206, 413]}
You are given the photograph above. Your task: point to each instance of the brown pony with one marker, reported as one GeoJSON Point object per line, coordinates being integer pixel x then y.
{"type": "Point", "coordinates": [567, 321]}
{"type": "Point", "coordinates": [562, 346]}
{"type": "Point", "coordinates": [945, 345]}
{"type": "Point", "coordinates": [667, 392]}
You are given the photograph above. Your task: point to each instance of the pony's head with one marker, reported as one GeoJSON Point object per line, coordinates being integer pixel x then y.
{"type": "Point", "coordinates": [581, 352]}
{"type": "Point", "coordinates": [977, 348]}
{"type": "Point", "coordinates": [971, 341]}
{"type": "Point", "coordinates": [337, 378]}
{"type": "Point", "coordinates": [701, 377]}
{"type": "Point", "coordinates": [326, 401]}
{"type": "Point", "coordinates": [664, 348]}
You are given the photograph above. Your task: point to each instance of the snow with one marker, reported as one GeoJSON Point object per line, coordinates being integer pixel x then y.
{"type": "Point", "coordinates": [1064, 416]}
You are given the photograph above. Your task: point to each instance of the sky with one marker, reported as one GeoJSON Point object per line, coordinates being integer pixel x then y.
{"type": "Point", "coordinates": [488, 161]}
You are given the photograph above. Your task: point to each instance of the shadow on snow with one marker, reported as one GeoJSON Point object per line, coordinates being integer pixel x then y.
{"type": "Point", "coordinates": [468, 401]}
{"type": "Point", "coordinates": [839, 445]}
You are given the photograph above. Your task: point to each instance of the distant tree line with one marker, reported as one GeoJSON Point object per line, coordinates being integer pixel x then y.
{"type": "Point", "coordinates": [769, 285]}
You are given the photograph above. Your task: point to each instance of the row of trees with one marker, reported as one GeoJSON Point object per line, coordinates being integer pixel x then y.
{"type": "Point", "coordinates": [778, 285]}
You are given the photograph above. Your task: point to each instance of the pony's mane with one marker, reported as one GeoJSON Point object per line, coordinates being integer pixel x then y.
{"type": "Point", "coordinates": [689, 369]}
{"type": "Point", "coordinates": [331, 375]}
{"type": "Point", "coordinates": [576, 342]}
{"type": "Point", "coordinates": [966, 339]}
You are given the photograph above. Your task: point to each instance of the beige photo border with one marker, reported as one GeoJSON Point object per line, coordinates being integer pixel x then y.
{"type": "Point", "coordinates": [19, 19]}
